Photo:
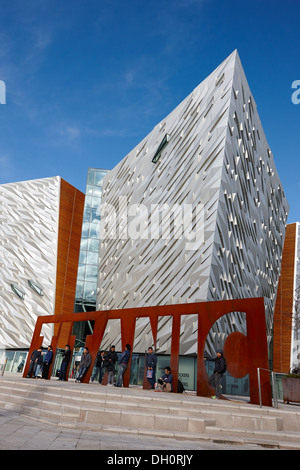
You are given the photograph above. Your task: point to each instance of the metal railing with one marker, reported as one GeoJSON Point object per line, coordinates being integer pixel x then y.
{"type": "Point", "coordinates": [274, 386]}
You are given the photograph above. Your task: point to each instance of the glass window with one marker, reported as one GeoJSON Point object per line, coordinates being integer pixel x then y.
{"type": "Point", "coordinates": [79, 290]}
{"type": "Point", "coordinates": [36, 287]}
{"type": "Point", "coordinates": [160, 148]}
{"type": "Point", "coordinates": [19, 361]}
{"type": "Point", "coordinates": [91, 273]}
{"type": "Point", "coordinates": [18, 290]}
{"type": "Point", "coordinates": [84, 244]}
{"type": "Point", "coordinates": [89, 190]}
{"type": "Point", "coordinates": [97, 191]}
{"type": "Point", "coordinates": [99, 177]}
{"type": "Point", "coordinates": [93, 245]}
{"type": "Point", "coordinates": [88, 201]}
{"type": "Point", "coordinates": [90, 177]}
{"type": "Point", "coordinates": [85, 230]}
{"type": "Point", "coordinates": [95, 203]}
{"type": "Point", "coordinates": [95, 230]}
{"type": "Point", "coordinates": [81, 272]}
{"type": "Point", "coordinates": [9, 357]}
{"type": "Point", "coordinates": [92, 258]}
{"type": "Point", "coordinates": [87, 214]}
{"type": "Point", "coordinates": [82, 257]}
{"type": "Point", "coordinates": [95, 214]}
{"type": "Point", "coordinates": [186, 372]}
{"type": "Point", "coordinates": [90, 290]}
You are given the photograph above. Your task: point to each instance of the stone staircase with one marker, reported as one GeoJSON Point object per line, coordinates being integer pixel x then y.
{"type": "Point", "coordinates": [144, 412]}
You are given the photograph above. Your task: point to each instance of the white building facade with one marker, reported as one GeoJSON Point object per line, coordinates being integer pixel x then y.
{"type": "Point", "coordinates": [28, 241]}
{"type": "Point", "coordinates": [39, 221]}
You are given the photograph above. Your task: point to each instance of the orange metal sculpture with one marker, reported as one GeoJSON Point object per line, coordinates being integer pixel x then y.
{"type": "Point", "coordinates": [244, 354]}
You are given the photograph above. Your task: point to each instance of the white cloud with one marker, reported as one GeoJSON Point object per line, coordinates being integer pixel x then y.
{"type": "Point", "coordinates": [71, 133]}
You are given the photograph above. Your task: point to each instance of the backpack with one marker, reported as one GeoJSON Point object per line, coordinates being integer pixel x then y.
{"type": "Point", "coordinates": [180, 387]}
{"type": "Point", "coordinates": [225, 366]}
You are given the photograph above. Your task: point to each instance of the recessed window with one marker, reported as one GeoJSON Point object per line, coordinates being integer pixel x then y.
{"type": "Point", "coordinates": [17, 290]}
{"type": "Point", "coordinates": [36, 287]}
{"type": "Point", "coordinates": [160, 148]}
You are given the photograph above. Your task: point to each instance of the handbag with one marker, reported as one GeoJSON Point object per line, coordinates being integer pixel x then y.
{"type": "Point", "coordinates": [149, 374]}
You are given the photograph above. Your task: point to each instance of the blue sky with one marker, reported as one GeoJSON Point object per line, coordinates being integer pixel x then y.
{"type": "Point", "coordinates": [87, 80]}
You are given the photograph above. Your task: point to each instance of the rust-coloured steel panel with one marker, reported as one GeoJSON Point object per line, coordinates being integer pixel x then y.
{"type": "Point", "coordinates": [282, 335]}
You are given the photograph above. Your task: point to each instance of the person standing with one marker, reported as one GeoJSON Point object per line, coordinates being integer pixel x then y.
{"type": "Point", "coordinates": [65, 362]}
{"type": "Point", "coordinates": [47, 363]}
{"type": "Point", "coordinates": [39, 366]}
{"type": "Point", "coordinates": [151, 362]}
{"type": "Point", "coordinates": [99, 366]}
{"type": "Point", "coordinates": [123, 364]}
{"type": "Point", "coordinates": [33, 361]}
{"type": "Point", "coordinates": [110, 361]}
{"type": "Point", "coordinates": [220, 368]}
{"type": "Point", "coordinates": [85, 363]}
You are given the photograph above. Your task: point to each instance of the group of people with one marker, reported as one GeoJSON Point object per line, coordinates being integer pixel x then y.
{"type": "Point", "coordinates": [106, 363]}
{"type": "Point", "coordinates": [40, 363]}
{"type": "Point", "coordinates": [165, 382]}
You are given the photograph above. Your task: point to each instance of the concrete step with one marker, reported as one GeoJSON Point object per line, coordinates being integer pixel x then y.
{"type": "Point", "coordinates": [224, 415]}
{"type": "Point", "coordinates": [106, 411]}
{"type": "Point", "coordinates": [133, 410]}
{"type": "Point", "coordinates": [100, 413]}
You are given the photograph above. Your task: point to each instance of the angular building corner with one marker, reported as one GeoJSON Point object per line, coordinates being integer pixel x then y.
{"type": "Point", "coordinates": [210, 153]}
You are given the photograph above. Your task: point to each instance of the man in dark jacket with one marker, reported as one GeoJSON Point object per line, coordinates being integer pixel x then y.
{"type": "Point", "coordinates": [99, 366]}
{"type": "Point", "coordinates": [123, 363]}
{"type": "Point", "coordinates": [220, 367]}
{"type": "Point", "coordinates": [64, 365]}
{"type": "Point", "coordinates": [85, 363]}
{"type": "Point", "coordinates": [110, 362]}
{"type": "Point", "coordinates": [47, 363]}
{"type": "Point", "coordinates": [39, 367]}
{"type": "Point", "coordinates": [151, 362]}
{"type": "Point", "coordinates": [37, 353]}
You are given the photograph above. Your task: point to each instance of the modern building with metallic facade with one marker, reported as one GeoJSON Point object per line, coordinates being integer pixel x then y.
{"type": "Point", "coordinates": [209, 157]}
{"type": "Point", "coordinates": [195, 212]}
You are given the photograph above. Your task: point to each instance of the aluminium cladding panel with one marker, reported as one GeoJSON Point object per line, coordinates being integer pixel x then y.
{"type": "Point", "coordinates": [28, 251]}
{"type": "Point", "coordinates": [217, 157]}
